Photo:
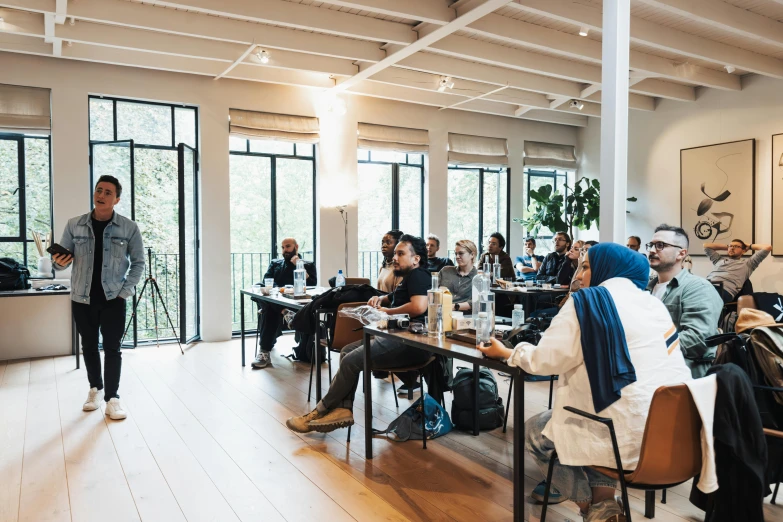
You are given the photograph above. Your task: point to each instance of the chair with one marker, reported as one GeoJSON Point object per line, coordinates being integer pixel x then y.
{"type": "Point", "coordinates": [552, 379]}
{"type": "Point", "coordinates": [745, 301]}
{"type": "Point", "coordinates": [357, 281]}
{"type": "Point", "coordinates": [670, 452]}
{"type": "Point", "coordinates": [779, 475]}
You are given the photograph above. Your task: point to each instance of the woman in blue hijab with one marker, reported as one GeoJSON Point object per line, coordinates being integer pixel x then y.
{"type": "Point", "coordinates": [612, 344]}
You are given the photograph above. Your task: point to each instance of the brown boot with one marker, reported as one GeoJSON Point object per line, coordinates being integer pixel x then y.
{"type": "Point", "coordinates": [301, 424]}
{"type": "Point", "coordinates": [335, 419]}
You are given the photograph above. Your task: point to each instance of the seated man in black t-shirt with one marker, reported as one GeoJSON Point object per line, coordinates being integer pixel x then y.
{"type": "Point", "coordinates": [410, 297]}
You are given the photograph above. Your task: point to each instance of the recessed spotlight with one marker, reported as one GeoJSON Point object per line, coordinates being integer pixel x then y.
{"type": "Point", "coordinates": [576, 104]}
{"type": "Point", "coordinates": [444, 83]}
{"type": "Point", "coordinates": [730, 69]}
{"type": "Point", "coordinates": [262, 56]}
{"type": "Point", "coordinates": [583, 31]}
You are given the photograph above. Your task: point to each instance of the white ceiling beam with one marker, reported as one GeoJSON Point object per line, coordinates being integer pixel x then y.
{"type": "Point", "coordinates": [558, 102]}
{"type": "Point", "coordinates": [658, 36]}
{"type": "Point", "coordinates": [237, 61]}
{"type": "Point", "coordinates": [57, 47]}
{"type": "Point", "coordinates": [432, 11]}
{"type": "Point", "coordinates": [572, 46]}
{"type": "Point", "coordinates": [48, 28]}
{"type": "Point", "coordinates": [61, 10]}
{"type": "Point", "coordinates": [660, 89]}
{"type": "Point", "coordinates": [726, 17]}
{"type": "Point", "coordinates": [635, 101]}
{"type": "Point", "coordinates": [15, 43]}
{"type": "Point", "coordinates": [306, 62]}
{"type": "Point", "coordinates": [480, 96]}
{"type": "Point", "coordinates": [464, 18]}
{"type": "Point", "coordinates": [590, 90]}
{"type": "Point", "coordinates": [300, 16]}
{"type": "Point", "coordinates": [521, 110]}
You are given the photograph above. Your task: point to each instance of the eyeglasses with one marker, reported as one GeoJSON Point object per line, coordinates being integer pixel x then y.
{"type": "Point", "coordinates": [559, 240]}
{"type": "Point", "coordinates": [660, 245]}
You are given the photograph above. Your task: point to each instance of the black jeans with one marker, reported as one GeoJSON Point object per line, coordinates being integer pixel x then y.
{"type": "Point", "coordinates": [271, 326]}
{"type": "Point", "coordinates": [109, 318]}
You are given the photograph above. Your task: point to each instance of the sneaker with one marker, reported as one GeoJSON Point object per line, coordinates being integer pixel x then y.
{"type": "Point", "coordinates": [335, 419]}
{"type": "Point", "coordinates": [554, 495]}
{"type": "Point", "coordinates": [301, 424]}
{"type": "Point", "coordinates": [606, 511]}
{"type": "Point", "coordinates": [93, 401]}
{"type": "Point", "coordinates": [114, 409]}
{"type": "Point", "coordinates": [262, 360]}
{"type": "Point", "coordinates": [403, 390]}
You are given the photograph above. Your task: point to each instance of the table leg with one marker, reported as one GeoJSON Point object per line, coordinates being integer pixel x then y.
{"type": "Point", "coordinates": [367, 398]}
{"type": "Point", "coordinates": [242, 324]}
{"type": "Point", "coordinates": [75, 341]}
{"type": "Point", "coordinates": [476, 375]}
{"type": "Point", "coordinates": [519, 448]}
{"type": "Point", "coordinates": [317, 358]}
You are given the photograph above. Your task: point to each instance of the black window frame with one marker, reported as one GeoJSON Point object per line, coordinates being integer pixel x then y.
{"type": "Point", "coordinates": [395, 224]}
{"type": "Point", "coordinates": [554, 175]}
{"type": "Point", "coordinates": [495, 170]}
{"type": "Point", "coordinates": [22, 194]}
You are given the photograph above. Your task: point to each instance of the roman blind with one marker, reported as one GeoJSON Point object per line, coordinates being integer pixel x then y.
{"type": "Point", "coordinates": [477, 150]}
{"type": "Point", "coordinates": [25, 109]}
{"type": "Point", "coordinates": [549, 155]}
{"type": "Point", "coordinates": [271, 126]}
{"type": "Point", "coordinates": [397, 139]}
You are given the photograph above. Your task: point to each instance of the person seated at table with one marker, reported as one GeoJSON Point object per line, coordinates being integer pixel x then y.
{"type": "Point", "coordinates": [554, 260]}
{"type": "Point", "coordinates": [495, 245]}
{"type": "Point", "coordinates": [732, 271]}
{"type": "Point", "coordinates": [387, 281]}
{"type": "Point", "coordinates": [335, 410]}
{"type": "Point", "coordinates": [634, 243]}
{"type": "Point", "coordinates": [527, 264]}
{"type": "Point", "coordinates": [282, 271]}
{"type": "Point", "coordinates": [434, 263]}
{"type": "Point", "coordinates": [569, 266]}
{"type": "Point", "coordinates": [459, 279]}
{"type": "Point", "coordinates": [613, 344]}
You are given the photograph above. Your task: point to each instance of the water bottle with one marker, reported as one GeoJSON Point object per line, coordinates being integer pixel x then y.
{"type": "Point", "coordinates": [488, 268]}
{"type": "Point", "coordinates": [482, 329]}
{"type": "Point", "coordinates": [434, 308]}
{"type": "Point", "coordinates": [487, 305]}
{"type": "Point", "coordinates": [300, 276]}
{"type": "Point", "coordinates": [496, 272]}
{"type": "Point", "coordinates": [480, 285]}
{"type": "Point", "coordinates": [340, 279]}
{"type": "Point", "coordinates": [517, 317]}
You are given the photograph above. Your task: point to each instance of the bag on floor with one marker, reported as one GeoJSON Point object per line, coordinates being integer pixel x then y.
{"type": "Point", "coordinates": [408, 425]}
{"type": "Point", "coordinates": [13, 275]}
{"type": "Point", "coordinates": [490, 405]}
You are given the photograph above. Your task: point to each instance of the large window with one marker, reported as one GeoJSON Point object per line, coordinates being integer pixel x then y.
{"type": "Point", "coordinates": [25, 196]}
{"type": "Point", "coordinates": [391, 196]}
{"type": "Point", "coordinates": [477, 204]}
{"type": "Point", "coordinates": [559, 180]}
{"type": "Point", "coordinates": [272, 198]}
{"type": "Point", "coordinates": [152, 148]}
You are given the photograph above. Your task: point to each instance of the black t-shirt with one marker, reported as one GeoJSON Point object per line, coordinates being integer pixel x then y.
{"type": "Point", "coordinates": [436, 264]}
{"type": "Point", "coordinates": [417, 282]}
{"type": "Point", "coordinates": [97, 294]}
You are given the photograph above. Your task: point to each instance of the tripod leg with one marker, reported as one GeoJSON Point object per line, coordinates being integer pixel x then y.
{"type": "Point", "coordinates": [166, 311]}
{"type": "Point", "coordinates": [155, 309]}
{"type": "Point", "coordinates": [133, 314]}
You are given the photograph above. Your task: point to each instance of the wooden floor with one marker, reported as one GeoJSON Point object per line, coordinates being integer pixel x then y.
{"type": "Point", "coordinates": [205, 440]}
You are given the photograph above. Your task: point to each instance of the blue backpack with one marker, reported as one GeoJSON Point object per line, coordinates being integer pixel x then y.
{"type": "Point", "coordinates": [408, 425]}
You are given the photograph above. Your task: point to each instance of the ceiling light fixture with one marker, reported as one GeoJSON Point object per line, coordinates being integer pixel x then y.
{"type": "Point", "coordinates": [1, 20]}
{"type": "Point", "coordinates": [72, 21]}
{"type": "Point", "coordinates": [70, 43]}
{"type": "Point", "coordinates": [730, 69]}
{"type": "Point", "coordinates": [444, 83]}
{"type": "Point", "coordinates": [576, 104]}
{"type": "Point", "coordinates": [262, 56]}
{"type": "Point", "coordinates": [780, 163]}
{"type": "Point", "coordinates": [583, 31]}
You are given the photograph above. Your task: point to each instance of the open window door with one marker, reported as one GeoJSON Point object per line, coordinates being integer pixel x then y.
{"type": "Point", "coordinates": [115, 158]}
{"type": "Point", "coordinates": [188, 244]}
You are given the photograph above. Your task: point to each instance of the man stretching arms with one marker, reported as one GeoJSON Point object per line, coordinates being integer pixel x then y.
{"type": "Point", "coordinates": [732, 270]}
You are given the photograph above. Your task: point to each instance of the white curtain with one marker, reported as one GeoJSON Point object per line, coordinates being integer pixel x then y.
{"type": "Point", "coordinates": [25, 109]}
{"type": "Point", "coordinates": [397, 139]}
{"type": "Point", "coordinates": [477, 150]}
{"type": "Point", "coordinates": [549, 155]}
{"type": "Point", "coordinates": [269, 126]}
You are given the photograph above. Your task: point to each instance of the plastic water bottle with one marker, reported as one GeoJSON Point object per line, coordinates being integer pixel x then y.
{"type": "Point", "coordinates": [434, 308]}
{"type": "Point", "coordinates": [300, 276]}
{"type": "Point", "coordinates": [340, 279]}
{"type": "Point", "coordinates": [496, 272]}
{"type": "Point", "coordinates": [517, 316]}
{"type": "Point", "coordinates": [482, 329]}
{"type": "Point", "coordinates": [480, 285]}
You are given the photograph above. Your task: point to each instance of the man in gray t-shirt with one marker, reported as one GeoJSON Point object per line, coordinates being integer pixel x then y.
{"type": "Point", "coordinates": [732, 270]}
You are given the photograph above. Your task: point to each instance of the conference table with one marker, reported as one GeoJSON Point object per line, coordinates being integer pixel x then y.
{"type": "Point", "coordinates": [530, 295]}
{"type": "Point", "coordinates": [462, 351]}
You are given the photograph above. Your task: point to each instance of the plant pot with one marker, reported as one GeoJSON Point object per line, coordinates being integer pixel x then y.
{"type": "Point", "coordinates": [45, 266]}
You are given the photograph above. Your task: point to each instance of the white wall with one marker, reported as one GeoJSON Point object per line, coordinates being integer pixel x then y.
{"type": "Point", "coordinates": [654, 143]}
{"type": "Point", "coordinates": [72, 81]}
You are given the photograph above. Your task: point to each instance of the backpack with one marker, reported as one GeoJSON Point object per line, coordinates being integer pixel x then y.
{"type": "Point", "coordinates": [303, 350]}
{"type": "Point", "coordinates": [408, 425]}
{"type": "Point", "coordinates": [490, 405]}
{"type": "Point", "coordinates": [13, 275]}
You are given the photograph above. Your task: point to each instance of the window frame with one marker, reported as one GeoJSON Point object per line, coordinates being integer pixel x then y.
{"type": "Point", "coordinates": [395, 224]}
{"type": "Point", "coordinates": [22, 194]}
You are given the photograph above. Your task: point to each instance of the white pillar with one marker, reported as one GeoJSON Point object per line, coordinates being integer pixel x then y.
{"type": "Point", "coordinates": [614, 119]}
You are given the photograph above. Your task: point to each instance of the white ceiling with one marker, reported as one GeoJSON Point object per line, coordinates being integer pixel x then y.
{"type": "Point", "coordinates": [520, 58]}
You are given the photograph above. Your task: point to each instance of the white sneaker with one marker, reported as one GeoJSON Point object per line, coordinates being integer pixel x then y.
{"type": "Point", "coordinates": [94, 399]}
{"type": "Point", "coordinates": [114, 409]}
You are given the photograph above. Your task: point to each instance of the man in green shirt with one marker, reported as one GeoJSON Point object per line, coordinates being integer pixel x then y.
{"type": "Point", "coordinates": [693, 303]}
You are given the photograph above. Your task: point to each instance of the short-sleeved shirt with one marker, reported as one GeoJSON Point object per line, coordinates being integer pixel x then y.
{"type": "Point", "coordinates": [527, 261]}
{"type": "Point", "coordinates": [416, 282]}
{"type": "Point", "coordinates": [733, 272]}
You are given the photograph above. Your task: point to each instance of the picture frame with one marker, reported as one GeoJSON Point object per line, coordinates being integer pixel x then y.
{"type": "Point", "coordinates": [777, 194]}
{"type": "Point", "coordinates": [718, 193]}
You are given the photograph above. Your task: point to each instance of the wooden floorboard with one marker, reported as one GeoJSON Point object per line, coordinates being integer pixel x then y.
{"type": "Point", "coordinates": [205, 439]}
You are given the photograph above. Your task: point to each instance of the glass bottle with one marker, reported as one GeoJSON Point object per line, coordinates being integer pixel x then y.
{"type": "Point", "coordinates": [300, 276]}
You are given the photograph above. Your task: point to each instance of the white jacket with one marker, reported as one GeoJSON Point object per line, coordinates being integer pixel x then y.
{"type": "Point", "coordinates": [648, 327]}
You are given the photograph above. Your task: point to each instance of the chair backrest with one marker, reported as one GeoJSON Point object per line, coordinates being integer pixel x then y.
{"type": "Point", "coordinates": [671, 447]}
{"type": "Point", "coordinates": [357, 281]}
{"type": "Point", "coordinates": [344, 327]}
{"type": "Point", "coordinates": [745, 301]}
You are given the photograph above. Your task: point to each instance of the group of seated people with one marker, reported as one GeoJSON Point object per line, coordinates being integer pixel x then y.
{"type": "Point", "coordinates": [639, 332]}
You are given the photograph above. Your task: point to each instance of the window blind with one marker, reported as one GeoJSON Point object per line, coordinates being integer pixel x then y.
{"type": "Point", "coordinates": [549, 155]}
{"type": "Point", "coordinates": [397, 139]}
{"type": "Point", "coordinates": [270, 126]}
{"type": "Point", "coordinates": [25, 109]}
{"type": "Point", "coordinates": [477, 150]}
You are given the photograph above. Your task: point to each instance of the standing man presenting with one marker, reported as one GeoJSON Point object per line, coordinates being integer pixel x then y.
{"type": "Point", "coordinates": [108, 261]}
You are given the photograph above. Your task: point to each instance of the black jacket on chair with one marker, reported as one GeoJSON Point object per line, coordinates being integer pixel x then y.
{"type": "Point", "coordinates": [304, 320]}
{"type": "Point", "coordinates": [740, 452]}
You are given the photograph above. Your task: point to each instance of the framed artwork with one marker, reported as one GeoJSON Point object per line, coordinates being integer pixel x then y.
{"type": "Point", "coordinates": [777, 194]}
{"type": "Point", "coordinates": [717, 192]}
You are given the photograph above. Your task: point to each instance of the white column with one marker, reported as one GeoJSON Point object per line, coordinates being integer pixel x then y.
{"type": "Point", "coordinates": [614, 119]}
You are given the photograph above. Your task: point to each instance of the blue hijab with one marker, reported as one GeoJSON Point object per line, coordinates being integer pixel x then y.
{"type": "Point", "coordinates": [605, 352]}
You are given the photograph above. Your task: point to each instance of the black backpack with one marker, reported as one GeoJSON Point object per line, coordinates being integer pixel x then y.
{"type": "Point", "coordinates": [13, 275]}
{"type": "Point", "coordinates": [490, 405]}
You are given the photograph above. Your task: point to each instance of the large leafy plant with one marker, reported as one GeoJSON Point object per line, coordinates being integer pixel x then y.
{"type": "Point", "coordinates": [580, 209]}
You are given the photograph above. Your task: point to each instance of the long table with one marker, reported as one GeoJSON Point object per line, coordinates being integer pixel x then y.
{"type": "Point", "coordinates": [530, 295]}
{"type": "Point", "coordinates": [464, 352]}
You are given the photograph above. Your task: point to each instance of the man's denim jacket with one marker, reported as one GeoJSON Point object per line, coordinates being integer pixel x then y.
{"type": "Point", "coordinates": [123, 257]}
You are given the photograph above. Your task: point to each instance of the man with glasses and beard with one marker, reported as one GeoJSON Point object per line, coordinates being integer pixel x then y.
{"type": "Point", "coordinates": [693, 303]}
{"type": "Point", "coordinates": [731, 270]}
{"type": "Point", "coordinates": [282, 271]}
{"type": "Point", "coordinates": [553, 262]}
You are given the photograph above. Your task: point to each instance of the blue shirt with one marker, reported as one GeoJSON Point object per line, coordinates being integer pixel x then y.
{"type": "Point", "coordinates": [527, 261]}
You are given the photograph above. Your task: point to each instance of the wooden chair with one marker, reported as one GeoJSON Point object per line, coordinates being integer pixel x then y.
{"type": "Point", "coordinates": [745, 301]}
{"type": "Point", "coordinates": [357, 281]}
{"type": "Point", "coordinates": [775, 434]}
{"type": "Point", "coordinates": [670, 452]}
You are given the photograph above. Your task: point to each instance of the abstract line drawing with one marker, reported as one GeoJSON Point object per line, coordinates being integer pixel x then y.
{"type": "Point", "coordinates": [718, 223]}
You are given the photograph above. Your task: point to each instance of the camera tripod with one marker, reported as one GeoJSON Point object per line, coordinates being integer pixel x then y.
{"type": "Point", "coordinates": [154, 291]}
